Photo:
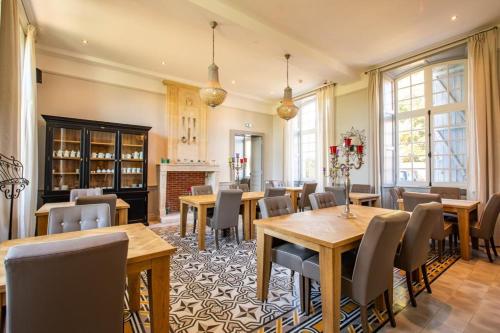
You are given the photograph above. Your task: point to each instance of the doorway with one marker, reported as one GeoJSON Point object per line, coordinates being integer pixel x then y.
{"type": "Point", "coordinates": [249, 145]}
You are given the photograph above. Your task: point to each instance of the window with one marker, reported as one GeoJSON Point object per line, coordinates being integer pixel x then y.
{"type": "Point", "coordinates": [431, 120]}
{"type": "Point", "coordinates": [304, 148]}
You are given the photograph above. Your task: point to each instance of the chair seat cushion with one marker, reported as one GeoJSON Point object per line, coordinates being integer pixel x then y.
{"type": "Point", "coordinates": [449, 217]}
{"type": "Point", "coordinates": [474, 229]}
{"type": "Point", "coordinates": [310, 266]}
{"type": "Point", "coordinates": [291, 256]}
{"type": "Point", "coordinates": [448, 228]}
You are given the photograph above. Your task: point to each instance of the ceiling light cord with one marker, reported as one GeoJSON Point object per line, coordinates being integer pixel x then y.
{"type": "Point", "coordinates": [287, 56]}
{"type": "Point", "coordinates": [213, 45]}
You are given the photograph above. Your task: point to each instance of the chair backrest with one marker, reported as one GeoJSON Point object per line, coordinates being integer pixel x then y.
{"type": "Point", "coordinates": [278, 183]}
{"type": "Point", "coordinates": [245, 181]}
{"type": "Point", "coordinates": [83, 192]}
{"type": "Point", "coordinates": [76, 218]}
{"type": "Point", "coordinates": [109, 199]}
{"type": "Point", "coordinates": [395, 196]}
{"type": "Point", "coordinates": [415, 246]}
{"type": "Point", "coordinates": [243, 187]}
{"type": "Point", "coordinates": [307, 189]}
{"type": "Point", "coordinates": [275, 206]}
{"type": "Point", "coordinates": [373, 270]}
{"type": "Point", "coordinates": [339, 193]}
{"type": "Point", "coordinates": [227, 209]}
{"type": "Point", "coordinates": [412, 199]}
{"type": "Point", "coordinates": [74, 285]}
{"type": "Point", "coordinates": [322, 200]}
{"type": "Point", "coordinates": [361, 188]}
{"type": "Point", "coordinates": [490, 217]}
{"type": "Point", "coordinates": [274, 192]}
{"type": "Point", "coordinates": [446, 192]}
{"type": "Point", "coordinates": [201, 189]}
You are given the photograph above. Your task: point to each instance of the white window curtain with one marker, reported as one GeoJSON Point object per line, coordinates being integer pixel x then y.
{"type": "Point", "coordinates": [28, 138]}
{"type": "Point", "coordinates": [374, 129]}
{"type": "Point", "coordinates": [325, 132]}
{"type": "Point", "coordinates": [287, 152]}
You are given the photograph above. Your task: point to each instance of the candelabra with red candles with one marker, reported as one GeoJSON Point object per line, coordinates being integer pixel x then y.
{"type": "Point", "coordinates": [237, 163]}
{"type": "Point", "coordinates": [352, 159]}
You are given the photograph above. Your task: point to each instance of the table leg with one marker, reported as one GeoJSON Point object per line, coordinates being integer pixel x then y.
{"type": "Point", "coordinates": [41, 224]}
{"type": "Point", "coordinates": [264, 243]}
{"type": "Point", "coordinates": [202, 224]}
{"type": "Point", "coordinates": [463, 232]}
{"type": "Point", "coordinates": [184, 212]}
{"type": "Point", "coordinates": [356, 202]}
{"type": "Point", "coordinates": [134, 292]}
{"type": "Point", "coordinates": [401, 205]}
{"type": "Point", "coordinates": [293, 197]}
{"type": "Point", "coordinates": [253, 216]}
{"type": "Point", "coordinates": [330, 266]}
{"type": "Point", "coordinates": [159, 294]}
{"type": "Point", "coordinates": [246, 220]}
{"type": "Point", "coordinates": [122, 216]}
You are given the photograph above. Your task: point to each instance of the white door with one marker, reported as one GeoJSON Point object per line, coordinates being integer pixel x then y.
{"type": "Point", "coordinates": [256, 163]}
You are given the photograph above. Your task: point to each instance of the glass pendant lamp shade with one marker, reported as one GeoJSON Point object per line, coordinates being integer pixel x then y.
{"type": "Point", "coordinates": [287, 110]}
{"type": "Point", "coordinates": [212, 94]}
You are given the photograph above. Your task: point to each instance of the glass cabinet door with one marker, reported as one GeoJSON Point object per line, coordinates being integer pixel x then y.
{"type": "Point", "coordinates": [66, 158]}
{"type": "Point", "coordinates": [132, 165]}
{"type": "Point", "coordinates": [102, 159]}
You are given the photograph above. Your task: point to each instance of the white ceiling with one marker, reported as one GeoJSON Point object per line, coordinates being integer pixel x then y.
{"type": "Point", "coordinates": [329, 39]}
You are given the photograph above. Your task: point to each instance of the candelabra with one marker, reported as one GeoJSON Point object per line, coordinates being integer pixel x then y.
{"type": "Point", "coordinates": [353, 159]}
{"type": "Point", "coordinates": [236, 164]}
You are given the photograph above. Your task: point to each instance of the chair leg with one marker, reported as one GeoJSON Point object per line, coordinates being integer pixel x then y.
{"type": "Point", "coordinates": [493, 246]}
{"type": "Point", "coordinates": [307, 296]}
{"type": "Point", "coordinates": [388, 305]}
{"type": "Point", "coordinates": [237, 235]}
{"type": "Point", "coordinates": [364, 318]}
{"type": "Point", "coordinates": [450, 241]}
{"type": "Point", "coordinates": [302, 291]}
{"type": "Point", "coordinates": [487, 246]}
{"type": "Point", "coordinates": [217, 239]}
{"type": "Point", "coordinates": [292, 275]}
{"type": "Point", "coordinates": [410, 289]}
{"type": "Point", "coordinates": [426, 278]}
{"type": "Point", "coordinates": [440, 250]}
{"type": "Point", "coordinates": [475, 243]}
{"type": "Point", "coordinates": [194, 225]}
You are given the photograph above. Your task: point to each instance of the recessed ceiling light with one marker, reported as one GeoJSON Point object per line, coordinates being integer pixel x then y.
{"type": "Point", "coordinates": [85, 42]}
{"type": "Point", "coordinates": [233, 82]}
{"type": "Point", "coordinates": [163, 62]}
{"type": "Point", "coordinates": [454, 18]}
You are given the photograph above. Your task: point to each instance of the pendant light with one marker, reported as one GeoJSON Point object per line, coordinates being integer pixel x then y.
{"type": "Point", "coordinates": [287, 110]}
{"type": "Point", "coordinates": [213, 94]}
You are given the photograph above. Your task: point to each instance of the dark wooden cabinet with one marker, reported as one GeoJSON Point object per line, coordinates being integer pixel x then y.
{"type": "Point", "coordinates": [84, 153]}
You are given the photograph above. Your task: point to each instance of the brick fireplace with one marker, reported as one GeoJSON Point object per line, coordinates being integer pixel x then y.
{"type": "Point", "coordinates": [178, 183]}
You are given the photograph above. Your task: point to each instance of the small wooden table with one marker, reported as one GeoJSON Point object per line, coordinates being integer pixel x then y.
{"type": "Point", "coordinates": [462, 208]}
{"type": "Point", "coordinates": [320, 230]}
{"type": "Point", "coordinates": [203, 202]}
{"type": "Point", "coordinates": [146, 251]}
{"type": "Point", "coordinates": [294, 195]}
{"type": "Point", "coordinates": [359, 198]}
{"type": "Point", "coordinates": [42, 214]}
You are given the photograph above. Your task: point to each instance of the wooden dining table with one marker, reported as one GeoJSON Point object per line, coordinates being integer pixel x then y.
{"type": "Point", "coordinates": [323, 231]}
{"type": "Point", "coordinates": [42, 214]}
{"type": "Point", "coordinates": [294, 192]}
{"type": "Point", "coordinates": [462, 208]}
{"type": "Point", "coordinates": [146, 252]}
{"type": "Point", "coordinates": [359, 198]}
{"type": "Point", "coordinates": [203, 202]}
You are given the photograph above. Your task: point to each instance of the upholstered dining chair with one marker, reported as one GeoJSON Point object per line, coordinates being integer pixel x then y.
{"type": "Point", "coordinates": [322, 200]}
{"type": "Point", "coordinates": [339, 193]}
{"type": "Point", "coordinates": [485, 228]}
{"type": "Point", "coordinates": [449, 193]}
{"type": "Point", "coordinates": [274, 192]}
{"type": "Point", "coordinates": [361, 188]}
{"type": "Point", "coordinates": [83, 192]}
{"type": "Point", "coordinates": [75, 285]}
{"type": "Point", "coordinates": [277, 183]}
{"type": "Point", "coordinates": [109, 199]}
{"type": "Point", "coordinates": [368, 274]}
{"type": "Point", "coordinates": [396, 194]}
{"type": "Point", "coordinates": [442, 229]}
{"type": "Point", "coordinates": [414, 249]}
{"type": "Point", "coordinates": [201, 190]}
{"type": "Point", "coordinates": [242, 186]}
{"type": "Point", "coordinates": [303, 200]}
{"type": "Point", "coordinates": [283, 253]}
{"type": "Point", "coordinates": [226, 213]}
{"type": "Point", "coordinates": [76, 218]}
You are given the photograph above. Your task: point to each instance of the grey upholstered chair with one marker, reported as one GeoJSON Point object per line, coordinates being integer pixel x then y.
{"type": "Point", "coordinates": [485, 228]}
{"type": "Point", "coordinates": [285, 254]}
{"type": "Point", "coordinates": [396, 194]}
{"type": "Point", "coordinates": [442, 229]}
{"type": "Point", "coordinates": [303, 200]}
{"type": "Point", "coordinates": [274, 192]}
{"type": "Point", "coordinates": [76, 218]}
{"type": "Point", "coordinates": [368, 274]}
{"type": "Point", "coordinates": [242, 186]}
{"type": "Point", "coordinates": [83, 192]}
{"type": "Point", "coordinates": [226, 213]}
{"type": "Point", "coordinates": [361, 188]}
{"type": "Point", "coordinates": [339, 193]}
{"type": "Point", "coordinates": [75, 285]}
{"type": "Point", "coordinates": [446, 192]}
{"type": "Point", "coordinates": [201, 190]}
{"type": "Point", "coordinates": [322, 200]}
{"type": "Point", "coordinates": [414, 249]}
{"type": "Point", "coordinates": [278, 183]}
{"type": "Point", "coordinates": [109, 199]}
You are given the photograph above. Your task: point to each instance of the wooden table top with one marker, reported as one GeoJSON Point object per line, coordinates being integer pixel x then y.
{"type": "Point", "coordinates": [363, 196]}
{"type": "Point", "coordinates": [209, 199]}
{"type": "Point", "coordinates": [44, 210]}
{"type": "Point", "coordinates": [143, 244]}
{"type": "Point", "coordinates": [456, 203]}
{"type": "Point", "coordinates": [324, 226]}
{"type": "Point", "coordinates": [294, 189]}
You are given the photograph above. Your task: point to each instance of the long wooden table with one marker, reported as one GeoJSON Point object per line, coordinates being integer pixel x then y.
{"type": "Point", "coordinates": [203, 202]}
{"type": "Point", "coordinates": [294, 195]}
{"type": "Point", "coordinates": [146, 252]}
{"type": "Point", "coordinates": [42, 214]}
{"type": "Point", "coordinates": [462, 208]}
{"type": "Point", "coordinates": [322, 231]}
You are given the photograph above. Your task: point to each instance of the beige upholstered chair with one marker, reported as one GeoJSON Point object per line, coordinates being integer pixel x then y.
{"type": "Point", "coordinates": [201, 190]}
{"type": "Point", "coordinates": [368, 274]}
{"type": "Point", "coordinates": [278, 183]}
{"type": "Point", "coordinates": [322, 200]}
{"type": "Point", "coordinates": [485, 228]}
{"type": "Point", "coordinates": [339, 193]}
{"type": "Point", "coordinates": [109, 199]}
{"type": "Point", "coordinates": [362, 188]}
{"type": "Point", "coordinates": [76, 218]}
{"type": "Point", "coordinates": [446, 192]}
{"type": "Point", "coordinates": [75, 285]}
{"type": "Point", "coordinates": [83, 192]}
{"type": "Point", "coordinates": [226, 213]}
{"type": "Point", "coordinates": [274, 192]}
{"type": "Point", "coordinates": [303, 200]}
{"type": "Point", "coordinates": [242, 186]}
{"type": "Point", "coordinates": [396, 194]}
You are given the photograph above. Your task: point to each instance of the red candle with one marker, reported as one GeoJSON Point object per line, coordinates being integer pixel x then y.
{"type": "Point", "coordinates": [245, 159]}
{"type": "Point", "coordinates": [360, 149]}
{"type": "Point", "coordinates": [241, 160]}
{"type": "Point", "coordinates": [333, 150]}
{"type": "Point", "coordinates": [347, 141]}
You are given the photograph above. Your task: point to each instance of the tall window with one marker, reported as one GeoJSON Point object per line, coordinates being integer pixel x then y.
{"type": "Point", "coordinates": [431, 121]}
{"type": "Point", "coordinates": [304, 150]}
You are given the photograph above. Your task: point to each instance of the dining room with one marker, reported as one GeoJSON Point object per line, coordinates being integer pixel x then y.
{"type": "Point", "coordinates": [249, 166]}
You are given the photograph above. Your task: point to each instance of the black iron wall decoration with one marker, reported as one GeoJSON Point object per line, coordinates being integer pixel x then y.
{"type": "Point", "coordinates": [12, 182]}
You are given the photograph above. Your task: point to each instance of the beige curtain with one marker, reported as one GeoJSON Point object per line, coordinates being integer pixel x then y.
{"type": "Point", "coordinates": [286, 128]}
{"type": "Point", "coordinates": [9, 96]}
{"type": "Point", "coordinates": [325, 131]}
{"type": "Point", "coordinates": [373, 137]}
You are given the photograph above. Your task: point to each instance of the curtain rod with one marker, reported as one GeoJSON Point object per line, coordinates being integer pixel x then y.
{"type": "Point", "coordinates": [443, 46]}
{"type": "Point", "coordinates": [309, 92]}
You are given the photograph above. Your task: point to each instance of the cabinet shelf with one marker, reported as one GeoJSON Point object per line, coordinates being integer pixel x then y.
{"type": "Point", "coordinates": [103, 143]}
{"type": "Point", "coordinates": [67, 141]}
{"type": "Point", "coordinates": [101, 173]}
{"type": "Point", "coordinates": [65, 173]}
{"type": "Point", "coordinates": [132, 160]}
{"type": "Point", "coordinates": [131, 173]}
{"type": "Point", "coordinates": [102, 159]}
{"type": "Point", "coordinates": [66, 158]}
{"type": "Point", "coordinates": [132, 145]}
